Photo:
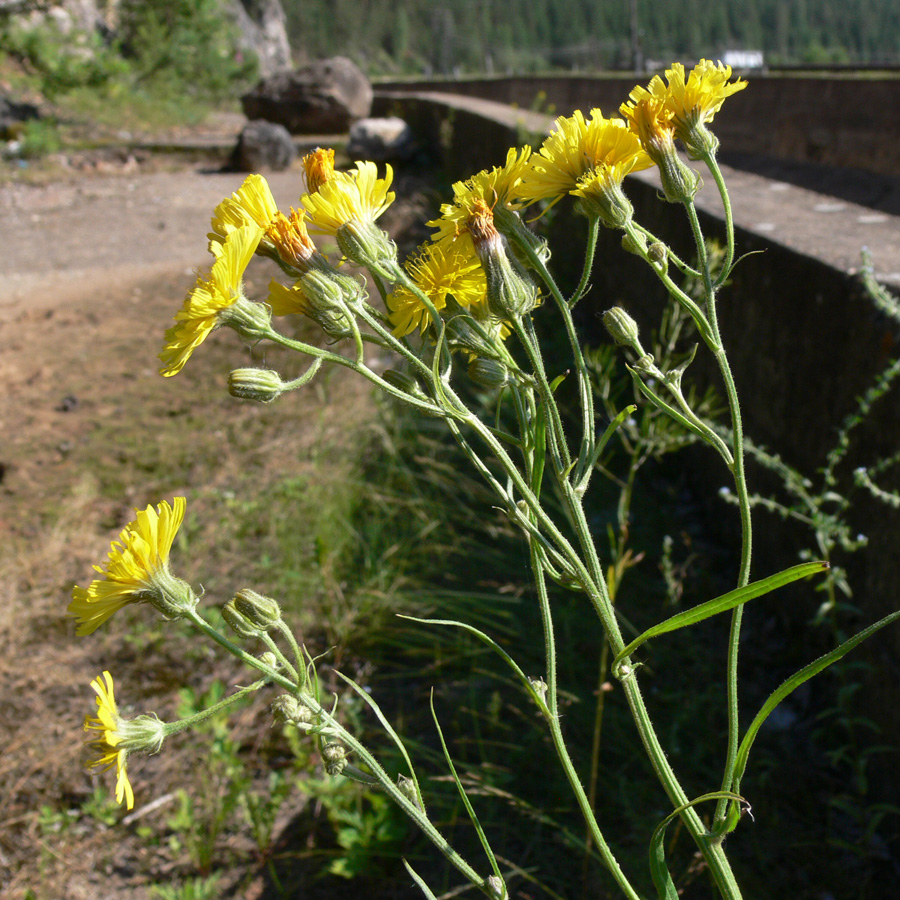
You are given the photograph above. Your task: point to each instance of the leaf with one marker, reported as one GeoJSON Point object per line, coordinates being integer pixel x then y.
{"type": "Point", "coordinates": [665, 887]}
{"type": "Point", "coordinates": [794, 682]}
{"type": "Point", "coordinates": [419, 881]}
{"type": "Point", "coordinates": [473, 818]}
{"type": "Point", "coordinates": [389, 729]}
{"type": "Point", "coordinates": [722, 604]}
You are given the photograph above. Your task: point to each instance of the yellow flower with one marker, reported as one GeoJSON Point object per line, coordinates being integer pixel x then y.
{"type": "Point", "coordinates": [438, 270]}
{"type": "Point", "coordinates": [700, 97]}
{"type": "Point", "coordinates": [137, 570]}
{"type": "Point", "coordinates": [693, 102]}
{"type": "Point", "coordinates": [355, 197]}
{"type": "Point", "coordinates": [210, 302]}
{"type": "Point", "coordinates": [116, 737]}
{"type": "Point", "coordinates": [108, 740]}
{"type": "Point", "coordinates": [251, 204]}
{"type": "Point", "coordinates": [499, 186]}
{"type": "Point", "coordinates": [650, 118]}
{"type": "Point", "coordinates": [319, 168]}
{"type": "Point", "coordinates": [576, 148]}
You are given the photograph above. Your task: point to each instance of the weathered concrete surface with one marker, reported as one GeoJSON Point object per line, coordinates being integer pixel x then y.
{"type": "Point", "coordinates": [838, 121]}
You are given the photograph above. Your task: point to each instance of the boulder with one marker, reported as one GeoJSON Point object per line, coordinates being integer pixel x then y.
{"type": "Point", "coordinates": [325, 97]}
{"type": "Point", "coordinates": [263, 145]}
{"type": "Point", "coordinates": [262, 25]}
{"type": "Point", "coordinates": [381, 140]}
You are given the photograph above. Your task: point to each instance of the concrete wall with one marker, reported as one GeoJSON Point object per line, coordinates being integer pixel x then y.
{"type": "Point", "coordinates": [843, 121]}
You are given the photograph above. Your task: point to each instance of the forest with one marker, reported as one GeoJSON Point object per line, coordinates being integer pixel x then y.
{"type": "Point", "coordinates": [446, 37]}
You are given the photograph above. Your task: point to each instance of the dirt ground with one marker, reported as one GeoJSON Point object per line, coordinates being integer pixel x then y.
{"type": "Point", "coordinates": [92, 269]}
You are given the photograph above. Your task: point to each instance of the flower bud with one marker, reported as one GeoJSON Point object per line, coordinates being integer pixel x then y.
{"type": "Point", "coordinates": [489, 373]}
{"type": "Point", "coordinates": [326, 297]}
{"type": "Point", "coordinates": [658, 252]}
{"type": "Point", "coordinates": [622, 328]}
{"type": "Point", "coordinates": [509, 294]}
{"type": "Point", "coordinates": [263, 612]}
{"type": "Point", "coordinates": [237, 622]}
{"type": "Point", "coordinates": [334, 755]}
{"type": "Point", "coordinates": [496, 887]}
{"type": "Point", "coordinates": [291, 711]}
{"type": "Point", "coordinates": [261, 385]}
{"type": "Point", "coordinates": [634, 242]}
{"type": "Point", "coordinates": [269, 659]}
{"type": "Point", "coordinates": [408, 789]}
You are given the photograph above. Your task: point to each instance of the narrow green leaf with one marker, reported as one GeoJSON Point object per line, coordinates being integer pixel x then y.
{"type": "Point", "coordinates": [419, 881]}
{"type": "Point", "coordinates": [722, 604]}
{"type": "Point", "coordinates": [389, 729]}
{"type": "Point", "coordinates": [794, 682]}
{"type": "Point", "coordinates": [662, 880]}
{"type": "Point", "coordinates": [482, 837]}
{"type": "Point", "coordinates": [601, 444]}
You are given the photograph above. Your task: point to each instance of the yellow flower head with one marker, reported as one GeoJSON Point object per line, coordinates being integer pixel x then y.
{"type": "Point", "coordinates": [356, 197]}
{"type": "Point", "coordinates": [251, 204]}
{"type": "Point", "coordinates": [108, 739]}
{"type": "Point", "coordinates": [319, 168]}
{"type": "Point", "coordinates": [137, 570]}
{"type": "Point", "coordinates": [116, 737]}
{"type": "Point", "coordinates": [499, 186]}
{"type": "Point", "coordinates": [693, 102]}
{"type": "Point", "coordinates": [700, 97]}
{"type": "Point", "coordinates": [207, 304]}
{"type": "Point", "coordinates": [651, 121]}
{"type": "Point", "coordinates": [650, 118]}
{"type": "Point", "coordinates": [448, 268]}
{"type": "Point", "coordinates": [576, 148]}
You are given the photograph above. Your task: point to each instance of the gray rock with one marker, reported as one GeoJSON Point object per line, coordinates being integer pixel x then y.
{"type": "Point", "coordinates": [325, 97]}
{"type": "Point", "coordinates": [263, 29]}
{"type": "Point", "coordinates": [381, 140]}
{"type": "Point", "coordinates": [263, 145]}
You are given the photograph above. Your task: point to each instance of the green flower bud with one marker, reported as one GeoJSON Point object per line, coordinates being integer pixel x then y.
{"type": "Point", "coordinates": [237, 622]}
{"type": "Point", "coordinates": [334, 755]}
{"type": "Point", "coordinates": [408, 789]}
{"type": "Point", "coordinates": [263, 612]}
{"type": "Point", "coordinates": [291, 711]}
{"type": "Point", "coordinates": [634, 242]}
{"type": "Point", "coordinates": [261, 385]}
{"type": "Point", "coordinates": [489, 373]}
{"type": "Point", "coordinates": [327, 294]}
{"type": "Point", "coordinates": [658, 252]}
{"type": "Point", "coordinates": [622, 328]}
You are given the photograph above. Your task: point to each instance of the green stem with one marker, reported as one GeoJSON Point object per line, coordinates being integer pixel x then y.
{"type": "Point", "coordinates": [590, 250]}
{"type": "Point", "coordinates": [713, 166]}
{"type": "Point", "coordinates": [197, 718]}
{"type": "Point", "coordinates": [740, 482]}
{"type": "Point", "coordinates": [553, 720]}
